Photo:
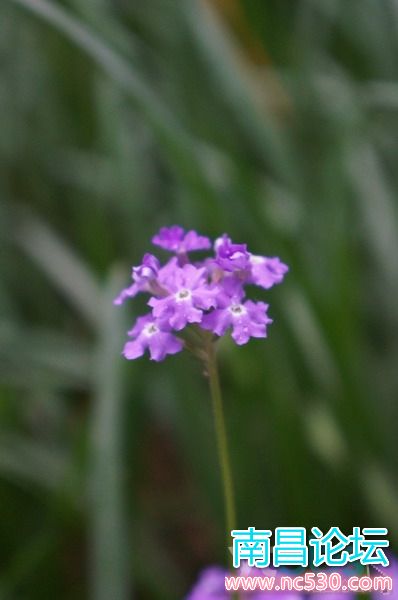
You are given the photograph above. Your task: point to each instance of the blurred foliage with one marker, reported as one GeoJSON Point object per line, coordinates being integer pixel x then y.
{"type": "Point", "coordinates": [275, 121]}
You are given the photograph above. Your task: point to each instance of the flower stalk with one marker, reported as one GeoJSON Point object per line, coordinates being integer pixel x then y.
{"type": "Point", "coordinates": [221, 435]}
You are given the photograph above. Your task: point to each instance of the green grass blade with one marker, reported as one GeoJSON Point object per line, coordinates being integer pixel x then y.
{"type": "Point", "coordinates": [63, 267]}
{"type": "Point", "coordinates": [109, 551]}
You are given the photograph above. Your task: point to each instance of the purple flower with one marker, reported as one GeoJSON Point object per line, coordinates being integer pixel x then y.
{"type": "Point", "coordinates": [247, 320]}
{"type": "Point", "coordinates": [176, 240]}
{"type": "Point", "coordinates": [142, 276]}
{"type": "Point", "coordinates": [265, 271]}
{"type": "Point", "coordinates": [229, 256]}
{"type": "Point", "coordinates": [189, 295]}
{"type": "Point", "coordinates": [149, 335]}
{"type": "Point", "coordinates": [210, 293]}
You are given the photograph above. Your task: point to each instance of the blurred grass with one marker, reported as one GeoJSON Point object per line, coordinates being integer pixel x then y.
{"type": "Point", "coordinates": [110, 549]}
{"type": "Point", "coordinates": [275, 121]}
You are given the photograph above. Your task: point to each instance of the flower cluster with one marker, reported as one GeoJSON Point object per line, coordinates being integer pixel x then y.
{"type": "Point", "coordinates": [209, 293]}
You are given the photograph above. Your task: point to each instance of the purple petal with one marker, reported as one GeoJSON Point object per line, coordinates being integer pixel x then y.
{"type": "Point", "coordinates": [266, 271]}
{"type": "Point", "coordinates": [129, 292]}
{"type": "Point", "coordinates": [139, 325]}
{"type": "Point", "coordinates": [162, 344]}
{"type": "Point", "coordinates": [169, 238]}
{"type": "Point", "coordinates": [184, 313]}
{"type": "Point", "coordinates": [217, 321]}
{"type": "Point", "coordinates": [194, 241]}
{"type": "Point", "coordinates": [244, 330]}
{"type": "Point", "coordinates": [210, 586]}
{"type": "Point", "coordinates": [175, 239]}
{"type": "Point", "coordinates": [133, 349]}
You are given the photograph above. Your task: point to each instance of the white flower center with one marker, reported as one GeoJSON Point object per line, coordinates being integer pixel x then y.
{"type": "Point", "coordinates": [146, 272]}
{"type": "Point", "coordinates": [183, 295]}
{"type": "Point", "coordinates": [150, 329]}
{"type": "Point", "coordinates": [256, 260]}
{"type": "Point", "coordinates": [140, 273]}
{"type": "Point", "coordinates": [237, 310]}
{"type": "Point", "coordinates": [237, 254]}
{"type": "Point", "coordinates": [218, 243]}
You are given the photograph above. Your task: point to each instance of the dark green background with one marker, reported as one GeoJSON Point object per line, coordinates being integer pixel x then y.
{"type": "Point", "coordinates": [272, 120]}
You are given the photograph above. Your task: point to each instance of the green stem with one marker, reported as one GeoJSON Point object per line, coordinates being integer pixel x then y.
{"type": "Point", "coordinates": [221, 434]}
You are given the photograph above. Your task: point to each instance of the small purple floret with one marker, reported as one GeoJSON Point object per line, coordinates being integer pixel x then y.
{"type": "Point", "coordinates": [148, 269]}
{"type": "Point", "coordinates": [265, 271]}
{"type": "Point", "coordinates": [247, 320]}
{"type": "Point", "coordinates": [142, 276]}
{"type": "Point", "coordinates": [189, 295]}
{"type": "Point", "coordinates": [176, 240]}
{"type": "Point", "coordinates": [229, 256]}
{"type": "Point", "coordinates": [149, 335]}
